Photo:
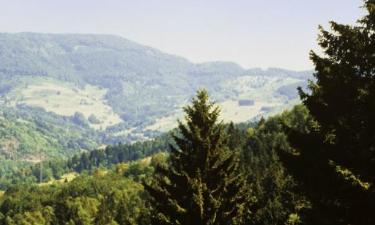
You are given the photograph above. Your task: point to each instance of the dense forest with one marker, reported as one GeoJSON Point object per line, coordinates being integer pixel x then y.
{"type": "Point", "coordinates": [122, 169]}
{"type": "Point", "coordinates": [313, 164]}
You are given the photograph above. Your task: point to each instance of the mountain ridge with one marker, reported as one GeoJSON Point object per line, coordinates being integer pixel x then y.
{"type": "Point", "coordinates": [125, 91]}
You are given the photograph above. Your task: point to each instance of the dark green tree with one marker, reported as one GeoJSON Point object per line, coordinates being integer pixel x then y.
{"type": "Point", "coordinates": [202, 184]}
{"type": "Point", "coordinates": [335, 161]}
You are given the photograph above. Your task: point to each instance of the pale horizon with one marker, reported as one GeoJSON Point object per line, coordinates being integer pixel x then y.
{"type": "Point", "coordinates": [249, 33]}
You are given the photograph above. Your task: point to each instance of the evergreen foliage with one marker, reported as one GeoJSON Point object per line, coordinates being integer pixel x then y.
{"type": "Point", "coordinates": [334, 161]}
{"type": "Point", "coordinates": [276, 195]}
{"type": "Point", "coordinates": [201, 184]}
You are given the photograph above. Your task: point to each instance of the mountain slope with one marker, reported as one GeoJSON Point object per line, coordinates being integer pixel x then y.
{"type": "Point", "coordinates": [29, 134]}
{"type": "Point", "coordinates": [123, 91]}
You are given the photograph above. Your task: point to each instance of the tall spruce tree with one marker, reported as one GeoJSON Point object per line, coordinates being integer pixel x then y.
{"type": "Point", "coordinates": [335, 161]}
{"type": "Point", "coordinates": [202, 184]}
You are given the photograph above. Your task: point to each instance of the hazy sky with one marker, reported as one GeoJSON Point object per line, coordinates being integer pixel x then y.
{"type": "Point", "coordinates": [253, 33]}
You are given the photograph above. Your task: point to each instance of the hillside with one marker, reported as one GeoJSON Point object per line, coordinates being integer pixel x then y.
{"type": "Point", "coordinates": [119, 90]}
{"type": "Point", "coordinates": [28, 134]}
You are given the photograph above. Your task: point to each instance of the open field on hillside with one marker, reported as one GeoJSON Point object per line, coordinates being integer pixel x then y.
{"type": "Point", "coordinates": [261, 90]}
{"type": "Point", "coordinates": [65, 99]}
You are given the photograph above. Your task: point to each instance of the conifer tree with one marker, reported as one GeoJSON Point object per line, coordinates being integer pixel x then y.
{"type": "Point", "coordinates": [201, 184]}
{"type": "Point", "coordinates": [335, 161]}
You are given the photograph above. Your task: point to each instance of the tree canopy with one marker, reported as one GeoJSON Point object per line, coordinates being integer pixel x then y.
{"type": "Point", "coordinates": [335, 159]}
{"type": "Point", "coordinates": [201, 184]}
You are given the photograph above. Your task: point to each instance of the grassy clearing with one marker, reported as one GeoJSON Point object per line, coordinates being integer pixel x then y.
{"type": "Point", "coordinates": [65, 99]}
{"type": "Point", "coordinates": [260, 89]}
{"type": "Point", "coordinates": [231, 111]}
{"type": "Point", "coordinates": [165, 123]}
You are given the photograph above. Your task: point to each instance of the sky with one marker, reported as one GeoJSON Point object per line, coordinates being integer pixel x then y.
{"type": "Point", "coordinates": [252, 33]}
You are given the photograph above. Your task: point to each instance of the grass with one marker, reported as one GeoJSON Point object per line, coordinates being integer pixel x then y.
{"type": "Point", "coordinates": [261, 89]}
{"type": "Point", "coordinates": [231, 111]}
{"type": "Point", "coordinates": [65, 99]}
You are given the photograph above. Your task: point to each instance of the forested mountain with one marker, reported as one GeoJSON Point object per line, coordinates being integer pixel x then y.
{"type": "Point", "coordinates": [120, 91]}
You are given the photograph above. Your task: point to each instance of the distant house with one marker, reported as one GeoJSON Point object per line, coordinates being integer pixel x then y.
{"type": "Point", "coordinates": [246, 102]}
